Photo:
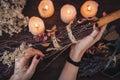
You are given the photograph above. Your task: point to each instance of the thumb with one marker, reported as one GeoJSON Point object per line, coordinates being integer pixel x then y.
{"type": "Point", "coordinates": [33, 65]}
{"type": "Point", "coordinates": [95, 31]}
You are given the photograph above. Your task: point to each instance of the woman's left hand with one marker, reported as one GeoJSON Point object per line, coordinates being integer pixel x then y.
{"type": "Point", "coordinates": [23, 70]}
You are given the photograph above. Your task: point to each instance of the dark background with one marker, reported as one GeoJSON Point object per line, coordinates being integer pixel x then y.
{"type": "Point", "coordinates": [31, 9]}
{"type": "Point", "coordinates": [54, 70]}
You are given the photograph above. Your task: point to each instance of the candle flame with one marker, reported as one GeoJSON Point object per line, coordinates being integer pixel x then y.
{"type": "Point", "coordinates": [89, 8]}
{"type": "Point", "coordinates": [45, 8]}
{"type": "Point", "coordinates": [68, 11]}
{"type": "Point", "coordinates": [36, 25]}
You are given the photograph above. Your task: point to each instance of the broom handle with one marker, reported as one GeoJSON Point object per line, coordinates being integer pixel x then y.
{"type": "Point", "coordinates": [109, 18]}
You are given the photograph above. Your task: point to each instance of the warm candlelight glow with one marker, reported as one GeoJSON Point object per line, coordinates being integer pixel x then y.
{"type": "Point", "coordinates": [46, 8]}
{"type": "Point", "coordinates": [36, 25]}
{"type": "Point", "coordinates": [89, 9]}
{"type": "Point", "coordinates": [68, 13]}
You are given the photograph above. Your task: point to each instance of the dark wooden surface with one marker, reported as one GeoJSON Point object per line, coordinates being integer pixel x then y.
{"type": "Point", "coordinates": [31, 9]}
{"type": "Point", "coordinates": [53, 71]}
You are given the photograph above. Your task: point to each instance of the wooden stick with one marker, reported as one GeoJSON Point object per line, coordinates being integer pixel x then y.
{"type": "Point", "coordinates": [109, 18]}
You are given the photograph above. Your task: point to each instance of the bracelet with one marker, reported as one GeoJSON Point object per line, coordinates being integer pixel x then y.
{"type": "Point", "coordinates": [73, 62]}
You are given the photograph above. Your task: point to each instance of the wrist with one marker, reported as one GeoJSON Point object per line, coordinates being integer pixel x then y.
{"type": "Point", "coordinates": [75, 63]}
{"type": "Point", "coordinates": [76, 56]}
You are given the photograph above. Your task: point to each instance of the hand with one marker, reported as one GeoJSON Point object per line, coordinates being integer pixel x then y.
{"type": "Point", "coordinates": [79, 49]}
{"type": "Point", "coordinates": [24, 71]}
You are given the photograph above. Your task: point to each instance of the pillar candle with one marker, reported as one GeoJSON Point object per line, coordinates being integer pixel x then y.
{"type": "Point", "coordinates": [36, 25]}
{"type": "Point", "coordinates": [46, 8]}
{"type": "Point", "coordinates": [68, 13]}
{"type": "Point", "coordinates": [89, 9]}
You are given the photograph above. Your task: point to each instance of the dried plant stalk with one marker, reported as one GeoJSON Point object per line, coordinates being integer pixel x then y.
{"type": "Point", "coordinates": [11, 18]}
{"type": "Point", "coordinates": [9, 57]}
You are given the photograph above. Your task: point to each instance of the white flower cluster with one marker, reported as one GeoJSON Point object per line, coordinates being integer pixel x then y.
{"type": "Point", "coordinates": [9, 57]}
{"type": "Point", "coordinates": [11, 18]}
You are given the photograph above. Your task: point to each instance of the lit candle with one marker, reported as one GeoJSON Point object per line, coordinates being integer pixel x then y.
{"type": "Point", "coordinates": [46, 8]}
{"type": "Point", "coordinates": [68, 13]}
{"type": "Point", "coordinates": [89, 9]}
{"type": "Point", "coordinates": [36, 25]}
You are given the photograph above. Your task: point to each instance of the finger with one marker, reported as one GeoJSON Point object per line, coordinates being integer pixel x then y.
{"type": "Point", "coordinates": [102, 29]}
{"type": "Point", "coordinates": [32, 52]}
{"type": "Point", "coordinates": [97, 34]}
{"type": "Point", "coordinates": [29, 53]}
{"type": "Point", "coordinates": [94, 32]}
{"type": "Point", "coordinates": [101, 32]}
{"type": "Point", "coordinates": [33, 65]}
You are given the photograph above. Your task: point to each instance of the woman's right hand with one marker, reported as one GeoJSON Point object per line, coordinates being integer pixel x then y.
{"type": "Point", "coordinates": [79, 48]}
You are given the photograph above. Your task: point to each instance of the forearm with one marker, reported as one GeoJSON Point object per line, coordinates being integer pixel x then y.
{"type": "Point", "coordinates": [69, 72]}
{"type": "Point", "coordinates": [15, 77]}
{"type": "Point", "coordinates": [19, 77]}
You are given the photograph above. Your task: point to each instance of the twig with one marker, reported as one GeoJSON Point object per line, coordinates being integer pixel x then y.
{"type": "Point", "coordinates": [65, 47]}
{"type": "Point", "coordinates": [111, 57]}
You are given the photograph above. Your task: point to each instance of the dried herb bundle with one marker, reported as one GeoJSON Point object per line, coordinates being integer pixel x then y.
{"type": "Point", "coordinates": [12, 21]}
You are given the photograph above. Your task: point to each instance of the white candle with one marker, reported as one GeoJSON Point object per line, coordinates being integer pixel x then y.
{"type": "Point", "coordinates": [89, 9]}
{"type": "Point", "coordinates": [36, 25]}
{"type": "Point", "coordinates": [46, 8]}
{"type": "Point", "coordinates": [68, 13]}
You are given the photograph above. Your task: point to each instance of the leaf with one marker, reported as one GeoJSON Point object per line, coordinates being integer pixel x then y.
{"type": "Point", "coordinates": [54, 28]}
{"type": "Point", "coordinates": [50, 49]}
{"type": "Point", "coordinates": [58, 40]}
{"type": "Point", "coordinates": [45, 44]}
{"type": "Point", "coordinates": [48, 30]}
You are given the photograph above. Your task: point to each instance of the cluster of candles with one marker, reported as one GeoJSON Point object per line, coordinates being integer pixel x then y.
{"type": "Point", "coordinates": [67, 13]}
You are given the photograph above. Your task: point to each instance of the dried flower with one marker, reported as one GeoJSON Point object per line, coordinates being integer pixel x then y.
{"type": "Point", "coordinates": [12, 20]}
{"type": "Point", "coordinates": [9, 57]}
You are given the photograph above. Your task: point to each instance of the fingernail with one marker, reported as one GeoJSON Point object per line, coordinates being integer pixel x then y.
{"type": "Point", "coordinates": [37, 57]}
{"type": "Point", "coordinates": [97, 27]}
